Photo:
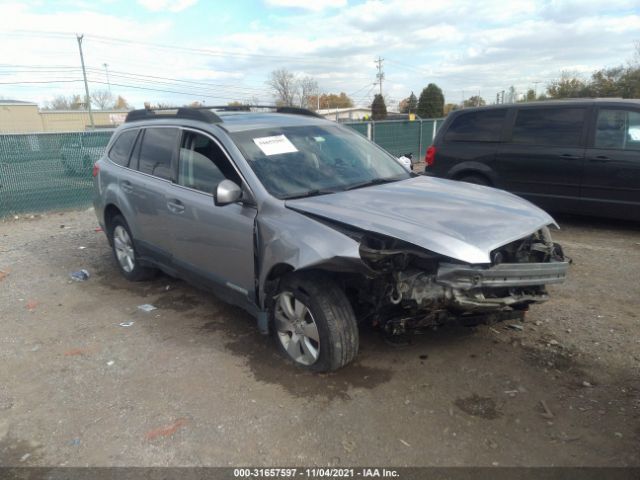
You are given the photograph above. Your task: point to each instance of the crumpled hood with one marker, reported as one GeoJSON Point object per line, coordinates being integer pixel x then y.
{"type": "Point", "coordinates": [459, 220]}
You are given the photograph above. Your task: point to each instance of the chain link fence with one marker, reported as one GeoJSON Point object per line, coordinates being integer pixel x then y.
{"type": "Point", "coordinates": [49, 171]}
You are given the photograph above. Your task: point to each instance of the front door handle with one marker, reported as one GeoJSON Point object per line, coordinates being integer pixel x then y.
{"type": "Point", "coordinates": [601, 159]}
{"type": "Point", "coordinates": [176, 206]}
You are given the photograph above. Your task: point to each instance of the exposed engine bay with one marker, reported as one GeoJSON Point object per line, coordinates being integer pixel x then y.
{"type": "Point", "coordinates": [409, 288]}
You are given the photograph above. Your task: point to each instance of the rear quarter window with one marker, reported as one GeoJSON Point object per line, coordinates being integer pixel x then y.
{"type": "Point", "coordinates": [480, 126]}
{"type": "Point", "coordinates": [121, 149]}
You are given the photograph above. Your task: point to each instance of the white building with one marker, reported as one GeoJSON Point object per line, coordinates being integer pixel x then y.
{"type": "Point", "coordinates": [345, 114]}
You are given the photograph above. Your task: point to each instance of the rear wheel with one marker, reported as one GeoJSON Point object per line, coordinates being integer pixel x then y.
{"type": "Point", "coordinates": [476, 179]}
{"type": "Point", "coordinates": [313, 322]}
{"type": "Point", "coordinates": [124, 252]}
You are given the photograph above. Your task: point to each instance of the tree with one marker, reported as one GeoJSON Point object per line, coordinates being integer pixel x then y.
{"type": "Point", "coordinates": [450, 107]}
{"type": "Point", "coordinates": [531, 95]}
{"type": "Point", "coordinates": [60, 102]}
{"type": "Point", "coordinates": [307, 88]}
{"type": "Point", "coordinates": [567, 86]}
{"type": "Point", "coordinates": [474, 101]}
{"type": "Point", "coordinates": [121, 104]}
{"type": "Point", "coordinates": [378, 108]}
{"type": "Point", "coordinates": [331, 100]}
{"type": "Point", "coordinates": [285, 87]}
{"type": "Point", "coordinates": [431, 102]}
{"type": "Point", "coordinates": [102, 99]}
{"type": "Point", "coordinates": [409, 104]}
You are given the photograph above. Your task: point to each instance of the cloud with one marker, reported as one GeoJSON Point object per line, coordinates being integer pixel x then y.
{"type": "Point", "coordinates": [167, 5]}
{"type": "Point", "coordinates": [314, 5]}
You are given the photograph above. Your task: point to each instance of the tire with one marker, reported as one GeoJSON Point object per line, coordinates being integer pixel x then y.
{"type": "Point", "coordinates": [334, 341]}
{"type": "Point", "coordinates": [124, 252]}
{"type": "Point", "coordinates": [475, 179]}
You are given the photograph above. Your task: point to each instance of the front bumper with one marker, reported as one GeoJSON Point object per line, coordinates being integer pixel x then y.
{"type": "Point", "coordinates": [502, 275]}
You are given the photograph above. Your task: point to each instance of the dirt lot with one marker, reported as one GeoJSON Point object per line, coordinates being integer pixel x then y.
{"type": "Point", "coordinates": [194, 383]}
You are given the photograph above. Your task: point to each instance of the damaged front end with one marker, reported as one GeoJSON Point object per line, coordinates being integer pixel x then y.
{"type": "Point", "coordinates": [409, 288]}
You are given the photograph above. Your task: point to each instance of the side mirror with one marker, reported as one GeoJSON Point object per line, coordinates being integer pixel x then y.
{"type": "Point", "coordinates": [227, 192]}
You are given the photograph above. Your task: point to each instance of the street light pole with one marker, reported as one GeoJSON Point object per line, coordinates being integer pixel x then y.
{"type": "Point", "coordinates": [106, 70]}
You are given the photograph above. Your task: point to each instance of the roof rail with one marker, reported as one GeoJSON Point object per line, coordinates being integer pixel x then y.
{"type": "Point", "coordinates": [206, 113]}
{"type": "Point", "coordinates": [248, 108]}
{"type": "Point", "coordinates": [182, 112]}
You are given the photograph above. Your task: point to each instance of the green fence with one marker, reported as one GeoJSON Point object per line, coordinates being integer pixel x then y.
{"type": "Point", "coordinates": [49, 171]}
{"type": "Point", "coordinates": [400, 137]}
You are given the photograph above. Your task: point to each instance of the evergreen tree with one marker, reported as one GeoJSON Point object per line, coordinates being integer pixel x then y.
{"type": "Point", "coordinates": [378, 108]}
{"type": "Point", "coordinates": [431, 102]}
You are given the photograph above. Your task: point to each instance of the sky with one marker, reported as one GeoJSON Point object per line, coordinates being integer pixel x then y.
{"type": "Point", "coordinates": [217, 51]}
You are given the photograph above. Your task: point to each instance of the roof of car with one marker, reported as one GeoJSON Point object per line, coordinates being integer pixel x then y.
{"type": "Point", "coordinates": [230, 118]}
{"type": "Point", "coordinates": [563, 102]}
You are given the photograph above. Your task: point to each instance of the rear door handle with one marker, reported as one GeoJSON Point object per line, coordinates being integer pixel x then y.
{"type": "Point", "coordinates": [126, 186]}
{"type": "Point", "coordinates": [176, 206]}
{"type": "Point", "coordinates": [601, 158]}
{"type": "Point", "coordinates": [568, 156]}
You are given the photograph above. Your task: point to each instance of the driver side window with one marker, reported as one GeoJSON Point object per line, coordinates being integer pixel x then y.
{"type": "Point", "coordinates": [202, 164]}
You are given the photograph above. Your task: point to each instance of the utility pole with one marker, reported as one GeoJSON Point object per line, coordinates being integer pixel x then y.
{"type": "Point", "coordinates": [106, 70]}
{"type": "Point", "coordinates": [380, 74]}
{"type": "Point", "coordinates": [86, 85]}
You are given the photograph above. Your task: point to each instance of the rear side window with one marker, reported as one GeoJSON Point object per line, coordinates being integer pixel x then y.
{"type": "Point", "coordinates": [156, 152]}
{"type": "Point", "coordinates": [482, 126]}
{"type": "Point", "coordinates": [121, 149]}
{"type": "Point", "coordinates": [549, 126]}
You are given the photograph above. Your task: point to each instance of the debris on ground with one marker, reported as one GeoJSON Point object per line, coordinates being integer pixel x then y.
{"type": "Point", "coordinates": [548, 414]}
{"type": "Point", "coordinates": [80, 275]}
{"type": "Point", "coordinates": [98, 229]}
{"type": "Point", "coordinates": [81, 248]}
{"type": "Point", "coordinates": [126, 324]}
{"type": "Point", "coordinates": [147, 307]}
{"type": "Point", "coordinates": [74, 352]}
{"type": "Point", "coordinates": [587, 384]}
{"type": "Point", "coordinates": [515, 326]}
{"type": "Point", "coordinates": [3, 275]}
{"type": "Point", "coordinates": [110, 362]}
{"type": "Point", "coordinates": [75, 442]}
{"type": "Point", "coordinates": [406, 444]}
{"type": "Point", "coordinates": [31, 305]}
{"type": "Point", "coordinates": [166, 431]}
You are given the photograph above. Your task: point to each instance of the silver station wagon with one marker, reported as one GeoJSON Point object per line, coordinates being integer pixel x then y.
{"type": "Point", "coordinates": [314, 229]}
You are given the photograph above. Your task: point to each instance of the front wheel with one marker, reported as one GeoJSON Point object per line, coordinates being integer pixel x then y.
{"type": "Point", "coordinates": [314, 323]}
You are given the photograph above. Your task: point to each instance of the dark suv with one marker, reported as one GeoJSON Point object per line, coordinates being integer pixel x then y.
{"type": "Point", "coordinates": [573, 156]}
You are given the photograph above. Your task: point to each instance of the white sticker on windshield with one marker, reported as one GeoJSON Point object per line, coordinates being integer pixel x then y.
{"type": "Point", "coordinates": [275, 145]}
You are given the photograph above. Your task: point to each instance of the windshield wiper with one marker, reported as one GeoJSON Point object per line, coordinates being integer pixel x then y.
{"type": "Point", "coordinates": [374, 181]}
{"type": "Point", "coordinates": [311, 193]}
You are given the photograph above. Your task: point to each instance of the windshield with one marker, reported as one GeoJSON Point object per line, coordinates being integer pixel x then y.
{"type": "Point", "coordinates": [312, 160]}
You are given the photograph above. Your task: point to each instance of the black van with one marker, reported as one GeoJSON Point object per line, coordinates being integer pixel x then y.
{"type": "Point", "coordinates": [573, 156]}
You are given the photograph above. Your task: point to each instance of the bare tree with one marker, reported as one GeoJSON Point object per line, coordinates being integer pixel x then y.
{"type": "Point", "coordinates": [121, 104]}
{"type": "Point", "coordinates": [102, 99]}
{"type": "Point", "coordinates": [60, 102]}
{"type": "Point", "coordinates": [308, 89]}
{"type": "Point", "coordinates": [285, 87]}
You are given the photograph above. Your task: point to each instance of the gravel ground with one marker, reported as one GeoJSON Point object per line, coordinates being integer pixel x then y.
{"type": "Point", "coordinates": [194, 383]}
